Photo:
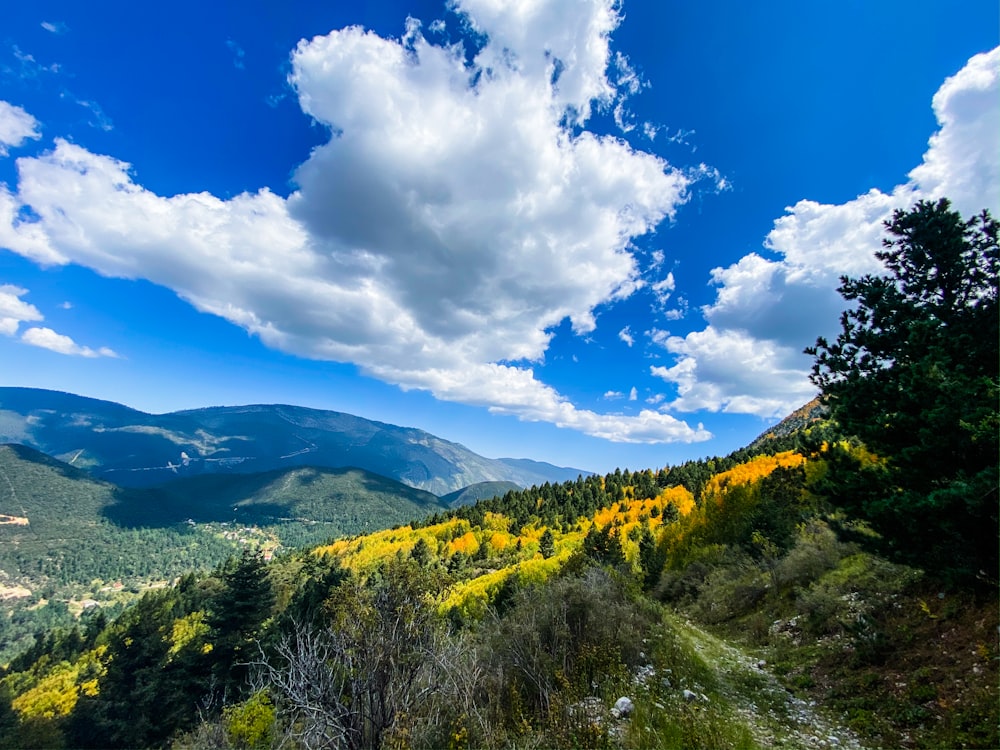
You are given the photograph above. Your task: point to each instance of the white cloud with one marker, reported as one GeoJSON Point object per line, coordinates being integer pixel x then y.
{"type": "Point", "coordinates": [613, 395]}
{"type": "Point", "coordinates": [566, 39]}
{"type": "Point", "coordinates": [239, 54]}
{"type": "Point", "coordinates": [100, 119]}
{"type": "Point", "coordinates": [663, 288]}
{"type": "Point", "coordinates": [962, 162]}
{"type": "Point", "coordinates": [625, 334]}
{"type": "Point", "coordinates": [16, 126]}
{"type": "Point", "coordinates": [767, 377]}
{"type": "Point", "coordinates": [677, 313]}
{"type": "Point", "coordinates": [55, 27]}
{"type": "Point", "coordinates": [46, 338]}
{"type": "Point", "coordinates": [29, 68]}
{"type": "Point", "coordinates": [395, 253]}
{"type": "Point", "coordinates": [778, 307]}
{"type": "Point", "coordinates": [633, 394]}
{"type": "Point", "coordinates": [14, 310]}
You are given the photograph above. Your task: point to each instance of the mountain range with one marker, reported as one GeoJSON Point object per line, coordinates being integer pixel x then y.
{"type": "Point", "coordinates": [134, 449]}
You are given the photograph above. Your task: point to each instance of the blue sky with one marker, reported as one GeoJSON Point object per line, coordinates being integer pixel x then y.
{"type": "Point", "coordinates": [581, 232]}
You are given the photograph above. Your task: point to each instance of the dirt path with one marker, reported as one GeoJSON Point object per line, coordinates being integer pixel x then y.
{"type": "Point", "coordinates": [775, 717]}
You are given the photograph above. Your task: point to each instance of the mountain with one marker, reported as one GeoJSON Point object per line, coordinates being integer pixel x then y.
{"type": "Point", "coordinates": [541, 469]}
{"type": "Point", "coordinates": [805, 416]}
{"type": "Point", "coordinates": [69, 540]}
{"type": "Point", "coordinates": [476, 492]}
{"type": "Point", "coordinates": [51, 512]}
{"type": "Point", "coordinates": [135, 449]}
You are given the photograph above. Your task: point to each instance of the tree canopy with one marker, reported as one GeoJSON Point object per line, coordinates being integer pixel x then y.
{"type": "Point", "coordinates": [913, 374]}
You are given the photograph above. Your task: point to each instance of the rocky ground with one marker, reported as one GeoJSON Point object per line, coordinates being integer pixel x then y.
{"type": "Point", "coordinates": [775, 717]}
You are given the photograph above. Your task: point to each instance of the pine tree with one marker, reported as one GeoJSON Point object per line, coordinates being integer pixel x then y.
{"type": "Point", "coordinates": [914, 375]}
{"type": "Point", "coordinates": [547, 544]}
{"type": "Point", "coordinates": [236, 615]}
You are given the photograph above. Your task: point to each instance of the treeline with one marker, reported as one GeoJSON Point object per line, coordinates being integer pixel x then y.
{"type": "Point", "coordinates": [563, 504]}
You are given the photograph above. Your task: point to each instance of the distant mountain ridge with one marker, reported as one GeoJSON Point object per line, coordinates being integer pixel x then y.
{"type": "Point", "coordinates": [135, 449]}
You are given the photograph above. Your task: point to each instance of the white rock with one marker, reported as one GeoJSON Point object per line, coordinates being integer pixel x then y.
{"type": "Point", "coordinates": [624, 706]}
{"type": "Point", "coordinates": [688, 695]}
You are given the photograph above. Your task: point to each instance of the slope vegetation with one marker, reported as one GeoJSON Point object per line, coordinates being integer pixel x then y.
{"type": "Point", "coordinates": [69, 541]}
{"type": "Point", "coordinates": [709, 605]}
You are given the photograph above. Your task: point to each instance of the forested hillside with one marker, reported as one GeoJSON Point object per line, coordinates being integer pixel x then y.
{"type": "Point", "coordinates": [69, 542]}
{"type": "Point", "coordinates": [486, 628]}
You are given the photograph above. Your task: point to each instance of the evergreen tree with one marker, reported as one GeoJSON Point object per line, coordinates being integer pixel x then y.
{"type": "Point", "coordinates": [547, 544]}
{"type": "Point", "coordinates": [604, 546]}
{"type": "Point", "coordinates": [914, 375]}
{"type": "Point", "coordinates": [237, 613]}
{"type": "Point", "coordinates": [652, 558]}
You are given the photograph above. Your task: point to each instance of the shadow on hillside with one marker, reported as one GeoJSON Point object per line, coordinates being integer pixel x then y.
{"type": "Point", "coordinates": [156, 508]}
{"type": "Point", "coordinates": [264, 498]}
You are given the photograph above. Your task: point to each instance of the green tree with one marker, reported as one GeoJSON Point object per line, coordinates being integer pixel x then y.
{"type": "Point", "coordinates": [547, 544]}
{"type": "Point", "coordinates": [237, 613]}
{"type": "Point", "coordinates": [421, 553]}
{"type": "Point", "coordinates": [913, 374]}
{"type": "Point", "coordinates": [603, 546]}
{"type": "Point", "coordinates": [150, 690]}
{"type": "Point", "coordinates": [652, 558]}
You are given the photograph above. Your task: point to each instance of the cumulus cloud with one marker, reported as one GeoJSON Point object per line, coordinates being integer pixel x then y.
{"type": "Point", "coordinates": [748, 359]}
{"type": "Point", "coordinates": [625, 335]}
{"type": "Point", "coordinates": [16, 126]}
{"type": "Point", "coordinates": [46, 338]}
{"type": "Point", "coordinates": [459, 212]}
{"type": "Point", "coordinates": [769, 375]}
{"type": "Point", "coordinates": [14, 310]}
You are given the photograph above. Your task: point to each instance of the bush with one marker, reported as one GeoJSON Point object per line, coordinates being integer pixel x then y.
{"type": "Point", "coordinates": [573, 637]}
{"type": "Point", "coordinates": [730, 592]}
{"type": "Point", "coordinates": [816, 550]}
{"type": "Point", "coordinates": [250, 725]}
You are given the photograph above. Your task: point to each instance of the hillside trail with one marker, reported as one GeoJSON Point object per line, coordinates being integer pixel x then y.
{"type": "Point", "coordinates": [775, 717]}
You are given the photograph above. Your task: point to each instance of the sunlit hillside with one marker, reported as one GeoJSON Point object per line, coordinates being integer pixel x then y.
{"type": "Point", "coordinates": [716, 604]}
